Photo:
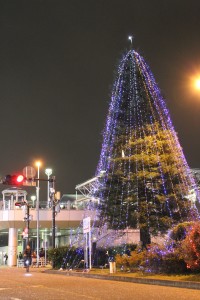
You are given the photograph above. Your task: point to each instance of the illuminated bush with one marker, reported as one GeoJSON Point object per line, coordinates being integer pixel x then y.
{"type": "Point", "coordinates": [65, 256]}
{"type": "Point", "coordinates": [191, 248]}
{"type": "Point", "coordinates": [130, 262]}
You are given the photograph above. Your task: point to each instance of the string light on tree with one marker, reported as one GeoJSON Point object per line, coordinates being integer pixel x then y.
{"type": "Point", "coordinates": [147, 179]}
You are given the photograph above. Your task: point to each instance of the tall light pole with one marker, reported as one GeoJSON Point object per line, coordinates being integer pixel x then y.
{"type": "Point", "coordinates": [48, 172]}
{"type": "Point", "coordinates": [38, 164]}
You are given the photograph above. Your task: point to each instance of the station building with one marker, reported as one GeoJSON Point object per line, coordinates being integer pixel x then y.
{"type": "Point", "coordinates": [69, 215]}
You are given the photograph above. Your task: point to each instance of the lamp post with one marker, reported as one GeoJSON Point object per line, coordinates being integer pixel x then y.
{"type": "Point", "coordinates": [53, 213]}
{"type": "Point", "coordinates": [197, 83]}
{"type": "Point", "coordinates": [38, 164]}
{"type": "Point", "coordinates": [55, 197]}
{"type": "Point", "coordinates": [48, 172]}
{"type": "Point", "coordinates": [27, 218]}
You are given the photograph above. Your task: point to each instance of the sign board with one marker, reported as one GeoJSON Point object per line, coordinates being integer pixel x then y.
{"type": "Point", "coordinates": [86, 225]}
{"type": "Point", "coordinates": [29, 183]}
{"type": "Point", "coordinates": [25, 233]}
{"type": "Point", "coordinates": [29, 172]}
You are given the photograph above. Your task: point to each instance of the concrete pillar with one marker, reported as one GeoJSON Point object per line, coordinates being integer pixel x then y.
{"type": "Point", "coordinates": [12, 247]}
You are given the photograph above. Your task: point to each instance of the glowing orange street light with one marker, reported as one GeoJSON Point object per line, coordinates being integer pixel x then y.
{"type": "Point", "coordinates": [194, 84]}
{"type": "Point", "coordinates": [38, 163]}
{"type": "Point", "coordinates": [197, 83]}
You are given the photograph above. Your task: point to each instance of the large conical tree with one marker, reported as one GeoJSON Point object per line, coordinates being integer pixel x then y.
{"type": "Point", "coordinates": [146, 178]}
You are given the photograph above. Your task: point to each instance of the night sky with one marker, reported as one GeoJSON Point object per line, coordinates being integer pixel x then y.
{"type": "Point", "coordinates": [57, 64]}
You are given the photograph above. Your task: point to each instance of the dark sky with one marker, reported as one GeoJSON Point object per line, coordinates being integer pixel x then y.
{"type": "Point", "coordinates": [57, 64]}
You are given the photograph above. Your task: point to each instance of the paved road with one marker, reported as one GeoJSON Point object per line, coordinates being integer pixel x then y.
{"type": "Point", "coordinates": [16, 285]}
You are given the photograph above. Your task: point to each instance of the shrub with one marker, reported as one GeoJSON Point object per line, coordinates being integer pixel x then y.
{"type": "Point", "coordinates": [157, 259]}
{"type": "Point", "coordinates": [122, 249]}
{"type": "Point", "coordinates": [130, 262]}
{"type": "Point", "coordinates": [161, 259]}
{"type": "Point", "coordinates": [191, 248]}
{"type": "Point", "coordinates": [153, 259]}
{"type": "Point", "coordinates": [122, 261]}
{"type": "Point", "coordinates": [179, 232]}
{"type": "Point", "coordinates": [103, 255]}
{"type": "Point", "coordinates": [66, 255]}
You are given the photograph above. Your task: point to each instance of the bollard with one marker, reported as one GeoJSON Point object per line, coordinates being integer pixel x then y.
{"type": "Point", "coordinates": [112, 267]}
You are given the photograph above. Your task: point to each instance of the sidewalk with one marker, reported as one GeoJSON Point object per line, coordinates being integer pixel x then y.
{"type": "Point", "coordinates": [128, 278]}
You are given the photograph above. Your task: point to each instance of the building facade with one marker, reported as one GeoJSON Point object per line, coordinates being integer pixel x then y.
{"type": "Point", "coordinates": [13, 223]}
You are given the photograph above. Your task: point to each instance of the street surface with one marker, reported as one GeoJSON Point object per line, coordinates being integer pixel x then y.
{"type": "Point", "coordinates": [16, 285]}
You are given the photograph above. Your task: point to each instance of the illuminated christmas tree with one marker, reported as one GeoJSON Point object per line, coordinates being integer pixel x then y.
{"type": "Point", "coordinates": [146, 179]}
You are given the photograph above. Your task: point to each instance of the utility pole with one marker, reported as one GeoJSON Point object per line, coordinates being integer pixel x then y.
{"type": "Point", "coordinates": [27, 222]}
{"type": "Point", "coordinates": [55, 197]}
{"type": "Point", "coordinates": [52, 193]}
{"type": "Point", "coordinates": [52, 197]}
{"type": "Point", "coordinates": [26, 219]}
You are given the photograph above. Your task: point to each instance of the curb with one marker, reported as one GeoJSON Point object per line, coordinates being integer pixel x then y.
{"type": "Point", "coordinates": [170, 283]}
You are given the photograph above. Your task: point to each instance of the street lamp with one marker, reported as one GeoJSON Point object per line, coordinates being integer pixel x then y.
{"type": "Point", "coordinates": [197, 83]}
{"type": "Point", "coordinates": [38, 164]}
{"type": "Point", "coordinates": [33, 198]}
{"type": "Point", "coordinates": [48, 172]}
{"type": "Point", "coordinates": [194, 83]}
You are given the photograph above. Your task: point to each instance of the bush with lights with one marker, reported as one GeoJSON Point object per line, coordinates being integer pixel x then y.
{"type": "Point", "coordinates": [191, 247]}
{"type": "Point", "coordinates": [65, 257]}
{"type": "Point", "coordinates": [131, 262]}
{"type": "Point", "coordinates": [179, 254]}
